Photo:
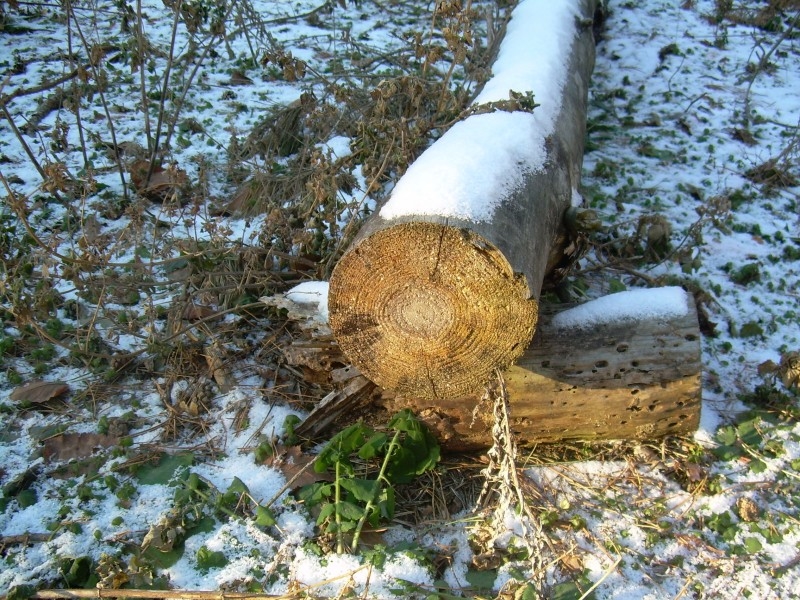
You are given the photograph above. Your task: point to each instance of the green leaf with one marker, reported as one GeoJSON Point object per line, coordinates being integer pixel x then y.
{"type": "Point", "coordinates": [363, 490]}
{"type": "Point", "coordinates": [327, 511]}
{"type": "Point", "coordinates": [20, 592]}
{"type": "Point", "coordinates": [726, 435]}
{"type": "Point", "coordinates": [27, 498]}
{"type": "Point", "coordinates": [341, 446]}
{"type": "Point", "coordinates": [238, 486]}
{"type": "Point", "coordinates": [164, 560]}
{"type": "Point", "coordinates": [210, 559]}
{"type": "Point", "coordinates": [315, 493]}
{"type": "Point", "coordinates": [193, 481]}
{"type": "Point", "coordinates": [752, 545]}
{"type": "Point", "coordinates": [728, 452]}
{"type": "Point", "coordinates": [758, 466]}
{"type": "Point", "coordinates": [348, 510]}
{"type": "Point", "coordinates": [375, 556]}
{"type": "Point", "coordinates": [748, 432]}
{"type": "Point", "coordinates": [404, 421]}
{"type": "Point", "coordinates": [385, 503]}
{"type": "Point", "coordinates": [264, 517]}
{"type": "Point", "coordinates": [615, 285]}
{"type": "Point", "coordinates": [204, 525]}
{"type": "Point", "coordinates": [569, 590]}
{"type": "Point", "coordinates": [526, 592]}
{"type": "Point", "coordinates": [373, 446]}
{"type": "Point", "coordinates": [481, 580]}
{"type": "Point", "coordinates": [78, 572]}
{"type": "Point", "coordinates": [751, 329]}
{"type": "Point", "coordinates": [164, 470]}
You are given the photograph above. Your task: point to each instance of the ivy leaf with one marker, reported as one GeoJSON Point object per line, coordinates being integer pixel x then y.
{"type": "Point", "coordinates": [315, 493]}
{"type": "Point", "coordinates": [363, 490]}
{"type": "Point", "coordinates": [373, 446]}
{"type": "Point", "coordinates": [349, 511]}
{"type": "Point", "coordinates": [341, 446]}
{"type": "Point", "coordinates": [726, 436]}
{"type": "Point", "coordinates": [164, 470]}
{"type": "Point", "coordinates": [238, 486]}
{"type": "Point", "coordinates": [264, 517]}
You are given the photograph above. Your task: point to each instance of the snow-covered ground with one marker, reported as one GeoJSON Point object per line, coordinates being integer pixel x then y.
{"type": "Point", "coordinates": [685, 108]}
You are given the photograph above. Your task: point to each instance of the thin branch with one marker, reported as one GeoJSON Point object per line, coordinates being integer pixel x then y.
{"type": "Point", "coordinates": [164, 90]}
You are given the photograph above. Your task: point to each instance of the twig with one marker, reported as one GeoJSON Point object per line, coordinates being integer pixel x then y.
{"type": "Point", "coordinates": [109, 120]}
{"type": "Point", "coordinates": [605, 576]}
{"type": "Point", "coordinates": [133, 593]}
{"type": "Point", "coordinates": [763, 63]}
{"type": "Point", "coordinates": [49, 85]}
{"type": "Point", "coordinates": [142, 86]}
{"type": "Point", "coordinates": [23, 143]}
{"type": "Point", "coordinates": [25, 538]}
{"type": "Point", "coordinates": [164, 89]}
{"type": "Point", "coordinates": [77, 96]}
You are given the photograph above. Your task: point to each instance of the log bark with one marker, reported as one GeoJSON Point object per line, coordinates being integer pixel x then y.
{"type": "Point", "coordinates": [430, 305]}
{"type": "Point", "coordinates": [624, 380]}
{"type": "Point", "coordinates": [627, 380]}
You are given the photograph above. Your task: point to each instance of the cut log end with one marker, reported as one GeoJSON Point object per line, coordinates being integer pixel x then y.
{"type": "Point", "coordinates": [429, 310]}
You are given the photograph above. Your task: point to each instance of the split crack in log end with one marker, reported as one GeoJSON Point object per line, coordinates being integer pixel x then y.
{"type": "Point", "coordinates": [429, 310]}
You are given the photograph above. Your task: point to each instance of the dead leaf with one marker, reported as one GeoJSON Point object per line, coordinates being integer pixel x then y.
{"type": "Point", "coordinates": [747, 509]}
{"type": "Point", "coordinates": [37, 392]}
{"type": "Point", "coordinates": [295, 466]}
{"type": "Point", "coordinates": [162, 535]}
{"type": "Point", "coordinates": [239, 78]}
{"type": "Point", "coordinates": [68, 446]}
{"type": "Point", "coordinates": [572, 563]}
{"type": "Point", "coordinates": [695, 472]}
{"type": "Point", "coordinates": [218, 360]}
{"type": "Point", "coordinates": [197, 312]}
{"type": "Point", "coordinates": [162, 185]}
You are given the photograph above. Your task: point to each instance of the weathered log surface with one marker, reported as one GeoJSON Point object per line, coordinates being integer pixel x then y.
{"type": "Point", "coordinates": [627, 380]}
{"type": "Point", "coordinates": [634, 380]}
{"type": "Point", "coordinates": [430, 305]}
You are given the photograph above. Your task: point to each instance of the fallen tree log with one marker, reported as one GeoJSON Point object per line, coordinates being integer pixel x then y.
{"type": "Point", "coordinates": [441, 286]}
{"type": "Point", "coordinates": [609, 375]}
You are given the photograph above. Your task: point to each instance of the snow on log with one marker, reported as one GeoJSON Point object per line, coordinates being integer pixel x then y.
{"type": "Point", "coordinates": [626, 366]}
{"type": "Point", "coordinates": [441, 287]}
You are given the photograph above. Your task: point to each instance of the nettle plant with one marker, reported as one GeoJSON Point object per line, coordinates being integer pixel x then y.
{"type": "Point", "coordinates": [359, 495]}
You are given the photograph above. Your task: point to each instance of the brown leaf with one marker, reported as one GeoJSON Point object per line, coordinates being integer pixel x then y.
{"type": "Point", "coordinates": [572, 563]}
{"type": "Point", "coordinates": [162, 184]}
{"type": "Point", "coordinates": [68, 446]}
{"type": "Point", "coordinates": [196, 312]}
{"type": "Point", "coordinates": [218, 360]}
{"type": "Point", "coordinates": [296, 467]}
{"type": "Point", "coordinates": [239, 78]}
{"type": "Point", "coordinates": [37, 392]}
